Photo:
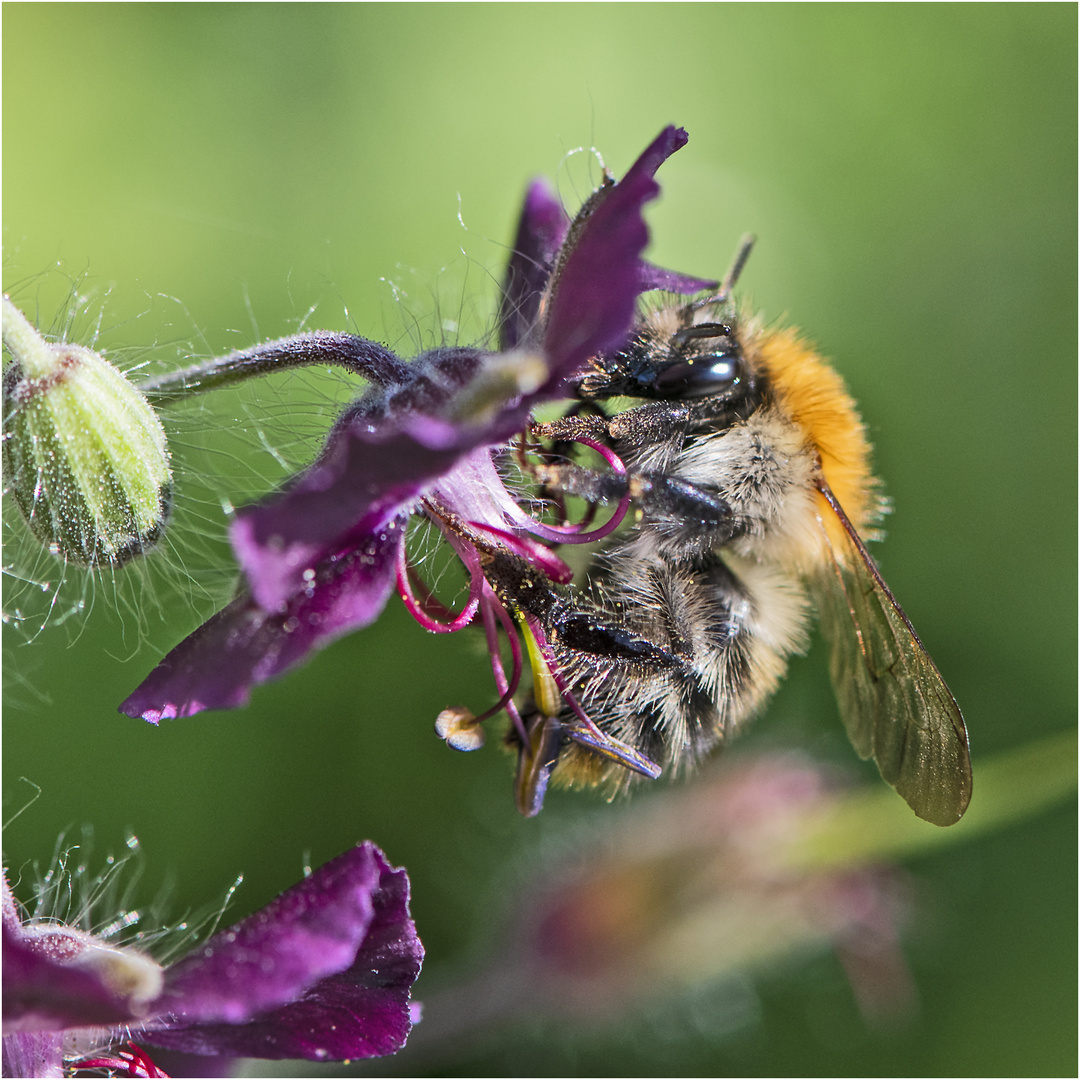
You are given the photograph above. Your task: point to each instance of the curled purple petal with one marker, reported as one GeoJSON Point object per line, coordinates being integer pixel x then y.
{"type": "Point", "coordinates": [244, 645]}
{"type": "Point", "coordinates": [541, 231]}
{"type": "Point", "coordinates": [656, 277]}
{"type": "Point", "coordinates": [594, 294]}
{"type": "Point", "coordinates": [371, 469]}
{"type": "Point", "coordinates": [323, 973]}
{"type": "Point", "coordinates": [319, 557]}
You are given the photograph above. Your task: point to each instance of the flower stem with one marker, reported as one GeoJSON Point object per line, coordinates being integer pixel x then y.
{"type": "Point", "coordinates": [24, 343]}
{"type": "Point", "coordinates": [871, 825]}
{"type": "Point", "coordinates": [356, 354]}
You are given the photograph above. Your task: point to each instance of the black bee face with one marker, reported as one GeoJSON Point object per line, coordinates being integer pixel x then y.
{"type": "Point", "coordinates": [698, 364]}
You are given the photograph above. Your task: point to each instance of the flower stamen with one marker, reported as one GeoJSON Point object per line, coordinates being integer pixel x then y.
{"type": "Point", "coordinates": [419, 609]}
{"type": "Point", "coordinates": [131, 1062]}
{"type": "Point", "coordinates": [577, 533]}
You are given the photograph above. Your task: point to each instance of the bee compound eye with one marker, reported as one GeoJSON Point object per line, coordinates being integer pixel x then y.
{"type": "Point", "coordinates": [698, 377]}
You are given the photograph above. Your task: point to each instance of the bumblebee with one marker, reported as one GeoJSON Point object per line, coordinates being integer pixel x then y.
{"type": "Point", "coordinates": [748, 469]}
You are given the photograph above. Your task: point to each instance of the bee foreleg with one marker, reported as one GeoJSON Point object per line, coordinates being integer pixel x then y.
{"type": "Point", "coordinates": [653, 422]}
{"type": "Point", "coordinates": [667, 501]}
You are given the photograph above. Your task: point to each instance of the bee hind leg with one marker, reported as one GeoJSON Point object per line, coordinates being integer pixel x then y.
{"type": "Point", "coordinates": [569, 621]}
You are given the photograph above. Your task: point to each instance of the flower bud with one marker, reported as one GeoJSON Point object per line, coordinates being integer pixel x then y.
{"type": "Point", "coordinates": [85, 455]}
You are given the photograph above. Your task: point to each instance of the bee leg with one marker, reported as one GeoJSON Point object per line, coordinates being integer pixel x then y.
{"type": "Point", "coordinates": [572, 627]}
{"type": "Point", "coordinates": [660, 498]}
{"type": "Point", "coordinates": [539, 754]}
{"type": "Point", "coordinates": [653, 422]}
{"type": "Point", "coordinates": [591, 737]}
{"type": "Point", "coordinates": [574, 426]}
{"type": "Point", "coordinates": [537, 758]}
{"type": "Point", "coordinates": [568, 623]}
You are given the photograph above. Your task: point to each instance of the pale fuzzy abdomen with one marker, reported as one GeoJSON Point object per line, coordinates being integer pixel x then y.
{"type": "Point", "coordinates": [727, 600]}
{"type": "Point", "coordinates": [729, 624]}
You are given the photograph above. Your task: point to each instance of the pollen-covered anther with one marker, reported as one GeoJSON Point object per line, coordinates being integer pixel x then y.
{"type": "Point", "coordinates": [460, 728]}
{"type": "Point", "coordinates": [84, 454]}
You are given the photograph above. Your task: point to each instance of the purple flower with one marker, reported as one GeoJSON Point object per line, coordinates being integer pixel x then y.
{"type": "Point", "coordinates": [323, 973]}
{"type": "Point", "coordinates": [322, 557]}
{"type": "Point", "coordinates": [688, 888]}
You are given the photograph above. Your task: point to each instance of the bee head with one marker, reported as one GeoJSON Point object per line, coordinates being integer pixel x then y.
{"type": "Point", "coordinates": [672, 357]}
{"type": "Point", "coordinates": [680, 352]}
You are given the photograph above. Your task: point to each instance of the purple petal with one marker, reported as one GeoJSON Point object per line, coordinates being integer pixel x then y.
{"type": "Point", "coordinates": [541, 231]}
{"type": "Point", "coordinates": [33, 1053]}
{"type": "Point", "coordinates": [383, 452]}
{"type": "Point", "coordinates": [41, 994]}
{"type": "Point", "coordinates": [309, 932]}
{"type": "Point", "coordinates": [244, 645]}
{"type": "Point", "coordinates": [319, 556]}
{"type": "Point", "coordinates": [477, 493]}
{"type": "Point", "coordinates": [656, 277]}
{"type": "Point", "coordinates": [594, 295]}
{"type": "Point", "coordinates": [323, 973]}
{"type": "Point", "coordinates": [371, 470]}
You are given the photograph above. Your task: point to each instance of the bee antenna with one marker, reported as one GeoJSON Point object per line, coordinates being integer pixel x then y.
{"type": "Point", "coordinates": [746, 245]}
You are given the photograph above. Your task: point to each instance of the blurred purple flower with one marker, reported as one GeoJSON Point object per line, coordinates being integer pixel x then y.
{"type": "Point", "coordinates": [322, 557]}
{"type": "Point", "coordinates": [690, 888]}
{"type": "Point", "coordinates": [322, 973]}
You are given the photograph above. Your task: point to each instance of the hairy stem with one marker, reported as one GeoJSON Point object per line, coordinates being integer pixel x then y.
{"type": "Point", "coordinates": [357, 355]}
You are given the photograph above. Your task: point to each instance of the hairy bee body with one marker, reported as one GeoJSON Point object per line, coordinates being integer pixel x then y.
{"type": "Point", "coordinates": [726, 599]}
{"type": "Point", "coordinates": [749, 472]}
{"type": "Point", "coordinates": [727, 631]}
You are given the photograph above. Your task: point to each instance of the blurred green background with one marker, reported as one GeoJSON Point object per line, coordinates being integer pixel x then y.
{"type": "Point", "coordinates": [181, 180]}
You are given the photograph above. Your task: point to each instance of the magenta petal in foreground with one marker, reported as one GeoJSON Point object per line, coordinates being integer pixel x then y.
{"type": "Point", "coordinates": [323, 973]}
{"type": "Point", "coordinates": [244, 645]}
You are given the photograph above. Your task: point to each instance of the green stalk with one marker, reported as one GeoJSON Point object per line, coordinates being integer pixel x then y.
{"type": "Point", "coordinates": [872, 825]}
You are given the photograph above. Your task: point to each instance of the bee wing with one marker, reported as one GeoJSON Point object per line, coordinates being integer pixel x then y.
{"type": "Point", "coordinates": [893, 700]}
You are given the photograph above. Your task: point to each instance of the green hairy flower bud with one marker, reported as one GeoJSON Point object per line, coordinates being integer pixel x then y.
{"type": "Point", "coordinates": [85, 455]}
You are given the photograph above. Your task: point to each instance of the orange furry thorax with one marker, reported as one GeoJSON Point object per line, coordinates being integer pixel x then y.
{"type": "Point", "coordinates": [813, 396]}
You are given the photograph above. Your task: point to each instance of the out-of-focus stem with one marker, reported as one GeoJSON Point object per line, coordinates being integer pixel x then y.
{"type": "Point", "coordinates": [874, 826]}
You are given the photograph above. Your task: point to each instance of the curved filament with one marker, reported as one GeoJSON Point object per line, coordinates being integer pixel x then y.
{"type": "Point", "coordinates": [419, 608]}
{"type": "Point", "coordinates": [577, 534]}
